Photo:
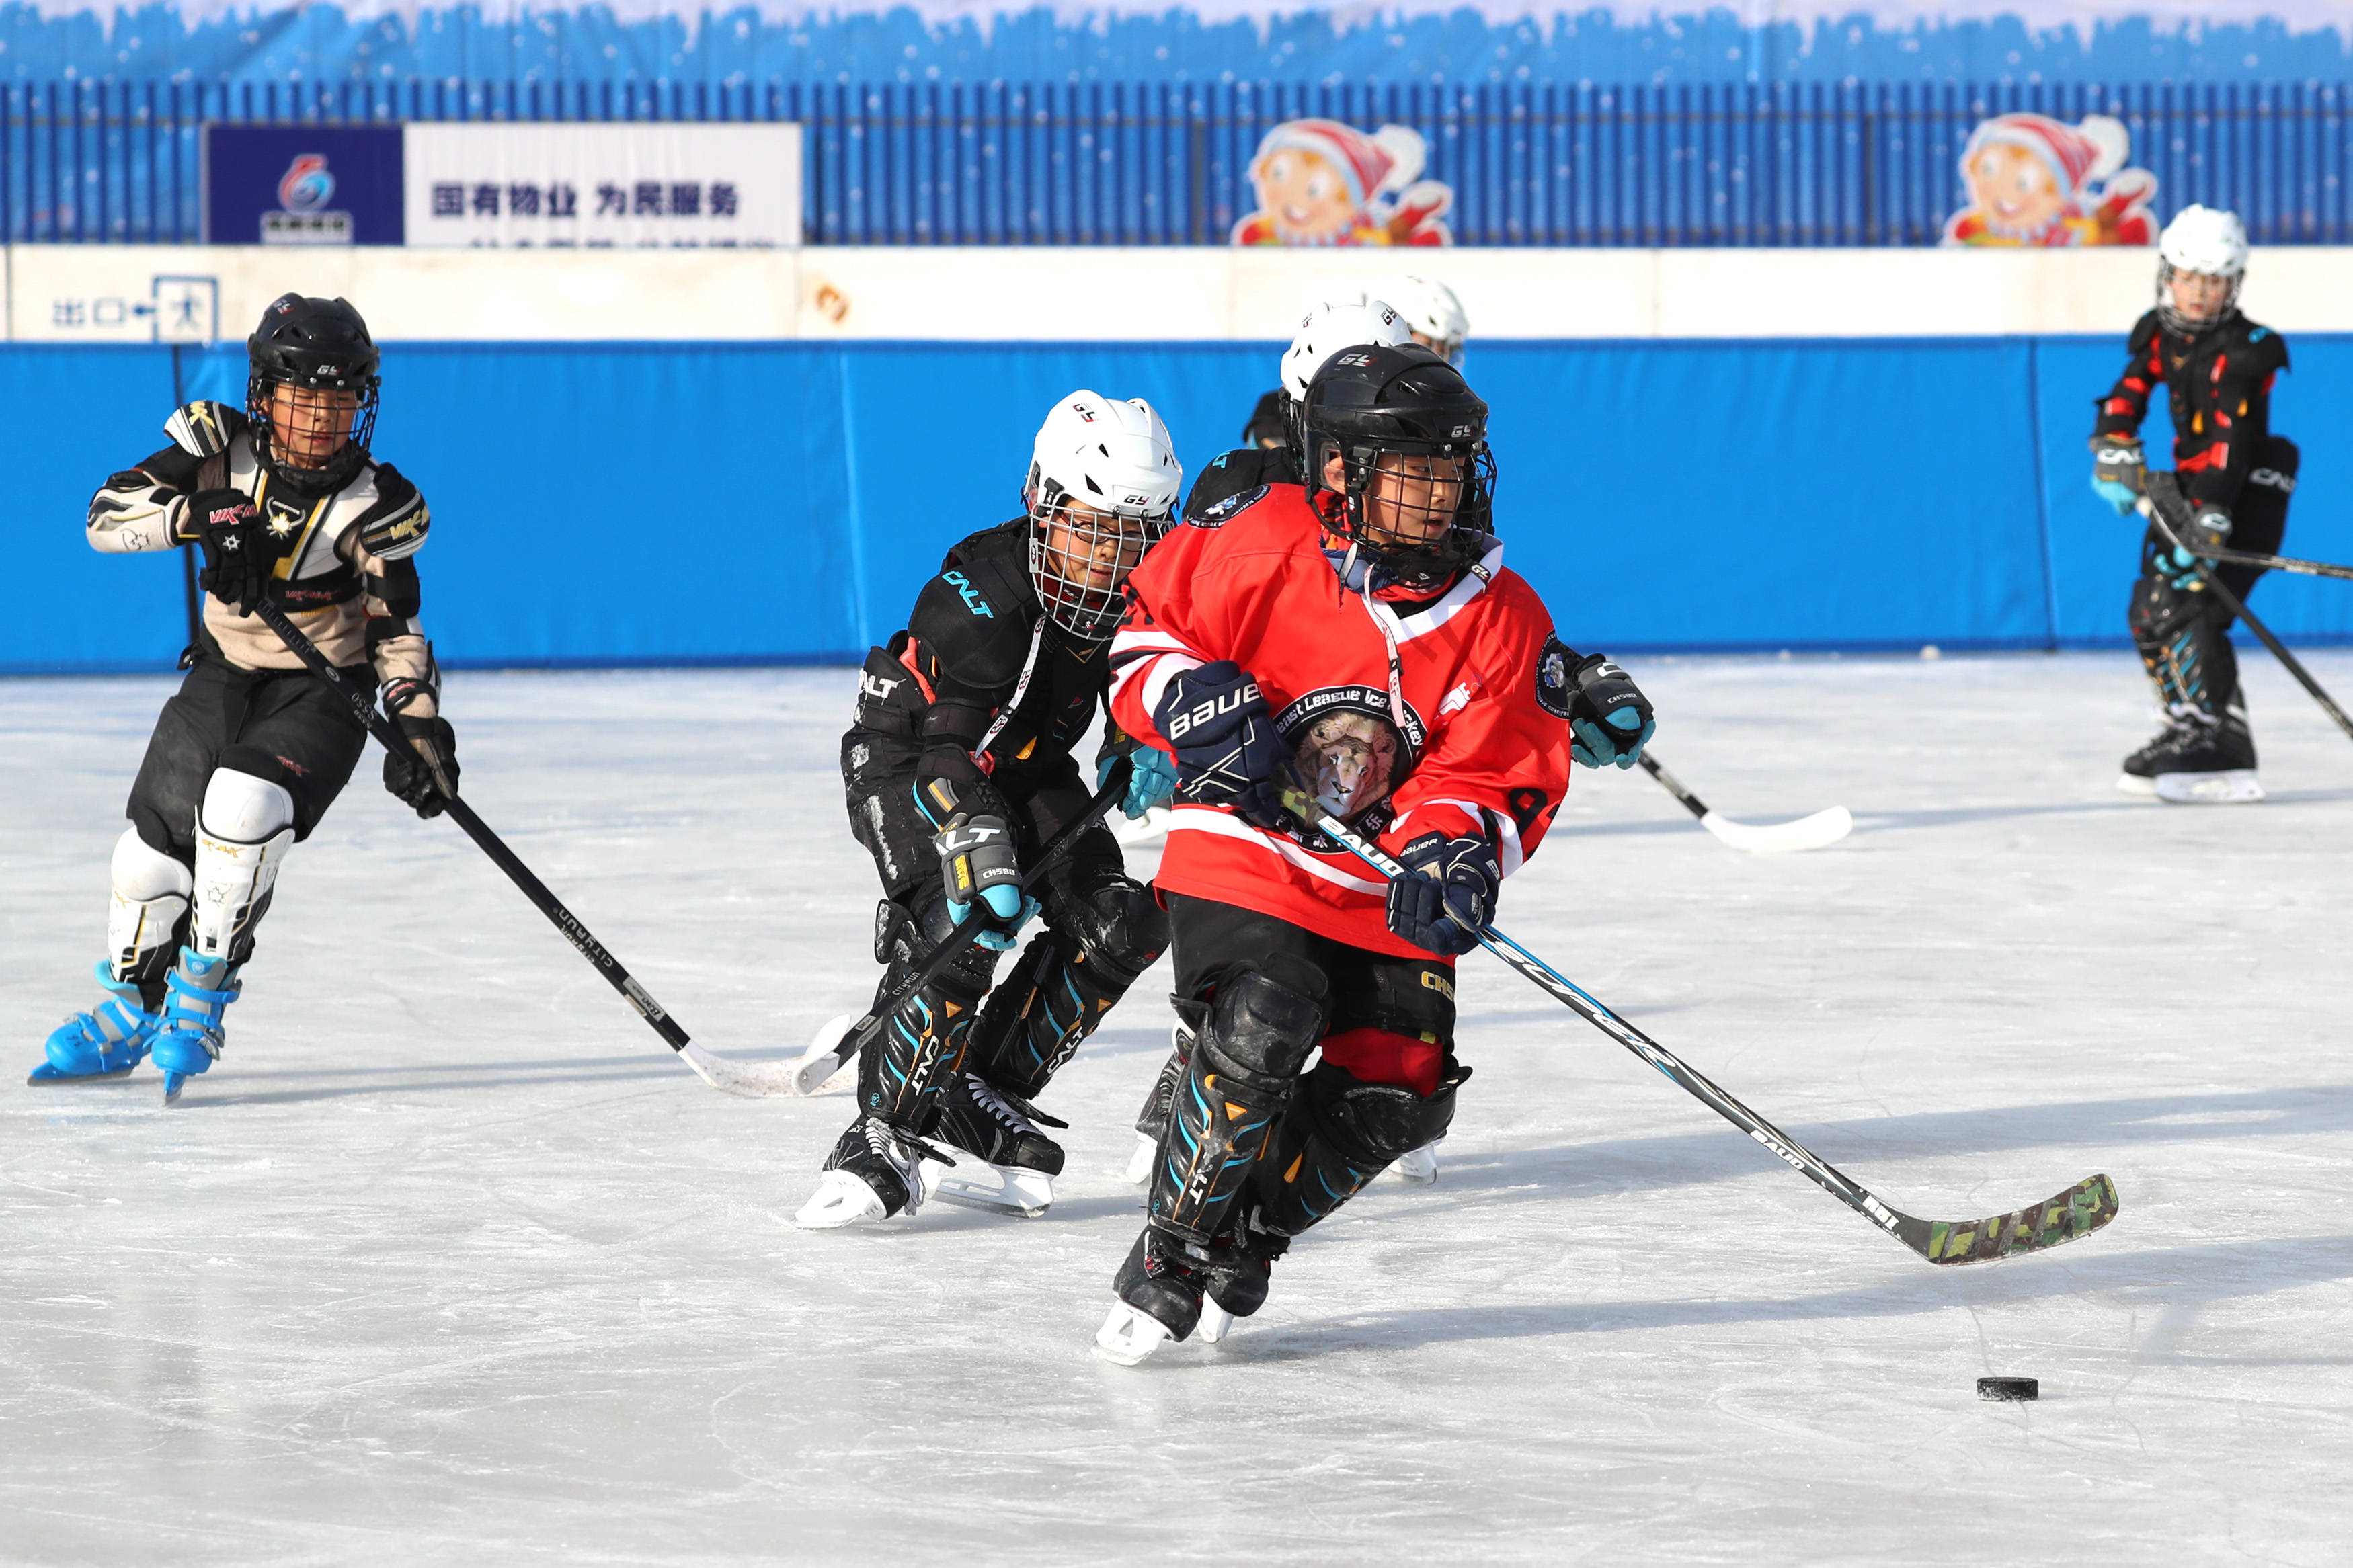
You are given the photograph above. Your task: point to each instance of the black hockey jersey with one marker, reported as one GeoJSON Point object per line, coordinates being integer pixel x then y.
{"type": "Point", "coordinates": [2220, 383]}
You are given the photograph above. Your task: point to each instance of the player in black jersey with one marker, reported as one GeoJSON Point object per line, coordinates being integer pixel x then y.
{"type": "Point", "coordinates": [286, 503]}
{"type": "Point", "coordinates": [1271, 456]}
{"type": "Point", "coordinates": [2218, 368]}
{"type": "Point", "coordinates": [958, 768]}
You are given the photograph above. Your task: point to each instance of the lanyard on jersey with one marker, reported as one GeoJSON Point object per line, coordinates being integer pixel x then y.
{"type": "Point", "coordinates": [1385, 618]}
{"type": "Point", "coordinates": [1020, 689]}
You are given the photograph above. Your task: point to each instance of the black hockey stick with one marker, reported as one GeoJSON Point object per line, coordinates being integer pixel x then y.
{"type": "Point", "coordinates": [2283, 563]}
{"type": "Point", "coordinates": [1827, 825]}
{"type": "Point", "coordinates": [818, 1064]}
{"type": "Point", "coordinates": [754, 1080]}
{"type": "Point", "coordinates": [2078, 1212]}
{"type": "Point", "coordinates": [2166, 508]}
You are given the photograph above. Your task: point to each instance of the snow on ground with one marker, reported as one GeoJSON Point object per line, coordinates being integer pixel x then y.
{"type": "Point", "coordinates": [449, 1261]}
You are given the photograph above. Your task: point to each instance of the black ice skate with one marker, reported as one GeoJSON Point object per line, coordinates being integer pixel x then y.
{"type": "Point", "coordinates": [1159, 1300]}
{"type": "Point", "coordinates": [1234, 1283]}
{"type": "Point", "coordinates": [2139, 775]}
{"type": "Point", "coordinates": [1014, 1162]}
{"type": "Point", "coordinates": [2211, 763]}
{"type": "Point", "coordinates": [873, 1173]}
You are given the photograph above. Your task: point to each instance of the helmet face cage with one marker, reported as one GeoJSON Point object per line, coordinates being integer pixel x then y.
{"type": "Point", "coordinates": [2180, 322]}
{"type": "Point", "coordinates": [1413, 563]}
{"type": "Point", "coordinates": [1080, 557]}
{"type": "Point", "coordinates": [315, 423]}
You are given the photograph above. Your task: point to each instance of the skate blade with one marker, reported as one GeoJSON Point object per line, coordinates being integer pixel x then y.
{"type": "Point", "coordinates": [840, 1199]}
{"type": "Point", "coordinates": [1418, 1166]}
{"type": "Point", "coordinates": [1216, 1321]}
{"type": "Point", "coordinates": [2136, 786]}
{"type": "Point", "coordinates": [47, 1077]}
{"type": "Point", "coordinates": [2233, 786]}
{"type": "Point", "coordinates": [1128, 1336]}
{"type": "Point", "coordinates": [820, 1051]}
{"type": "Point", "coordinates": [1139, 1164]}
{"type": "Point", "coordinates": [999, 1189]}
{"type": "Point", "coordinates": [173, 1083]}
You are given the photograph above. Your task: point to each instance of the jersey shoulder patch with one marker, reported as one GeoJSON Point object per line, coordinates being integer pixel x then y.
{"type": "Point", "coordinates": [1554, 691]}
{"type": "Point", "coordinates": [1222, 512]}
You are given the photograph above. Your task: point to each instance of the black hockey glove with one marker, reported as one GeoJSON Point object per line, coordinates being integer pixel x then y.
{"type": "Point", "coordinates": [410, 776]}
{"type": "Point", "coordinates": [1447, 892]}
{"type": "Point", "coordinates": [2208, 529]}
{"type": "Point", "coordinates": [979, 862]}
{"type": "Point", "coordinates": [1607, 714]}
{"type": "Point", "coordinates": [240, 550]}
{"type": "Point", "coordinates": [1228, 753]}
{"type": "Point", "coordinates": [2117, 473]}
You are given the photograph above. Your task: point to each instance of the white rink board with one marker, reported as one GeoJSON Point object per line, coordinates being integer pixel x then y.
{"type": "Point", "coordinates": [448, 1261]}
{"type": "Point", "coordinates": [113, 293]}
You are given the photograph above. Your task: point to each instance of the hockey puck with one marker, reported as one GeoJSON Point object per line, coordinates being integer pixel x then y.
{"type": "Point", "coordinates": [2009, 1388]}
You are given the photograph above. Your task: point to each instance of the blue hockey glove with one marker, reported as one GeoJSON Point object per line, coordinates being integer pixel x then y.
{"type": "Point", "coordinates": [2117, 472]}
{"type": "Point", "coordinates": [1152, 782]}
{"type": "Point", "coordinates": [1447, 892]}
{"type": "Point", "coordinates": [1608, 715]}
{"type": "Point", "coordinates": [1226, 751]}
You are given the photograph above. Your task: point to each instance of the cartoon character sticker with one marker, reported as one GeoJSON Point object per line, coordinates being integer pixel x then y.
{"type": "Point", "coordinates": [1348, 752]}
{"type": "Point", "coordinates": [2033, 181]}
{"type": "Point", "coordinates": [1318, 182]}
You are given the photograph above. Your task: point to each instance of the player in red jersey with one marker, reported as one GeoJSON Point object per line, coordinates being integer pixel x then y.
{"type": "Point", "coordinates": [1359, 639]}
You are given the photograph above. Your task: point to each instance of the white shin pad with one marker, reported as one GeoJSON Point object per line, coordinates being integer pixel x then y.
{"type": "Point", "coordinates": [237, 867]}
{"type": "Point", "coordinates": [151, 894]}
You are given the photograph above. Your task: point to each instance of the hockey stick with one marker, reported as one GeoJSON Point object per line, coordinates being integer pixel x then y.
{"type": "Point", "coordinates": [752, 1080]}
{"type": "Point", "coordinates": [2164, 505]}
{"type": "Point", "coordinates": [2283, 563]}
{"type": "Point", "coordinates": [2078, 1212]}
{"type": "Point", "coordinates": [822, 1061]}
{"type": "Point", "coordinates": [1825, 826]}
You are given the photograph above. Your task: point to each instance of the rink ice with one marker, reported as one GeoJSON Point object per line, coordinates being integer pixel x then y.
{"type": "Point", "coordinates": [449, 1261]}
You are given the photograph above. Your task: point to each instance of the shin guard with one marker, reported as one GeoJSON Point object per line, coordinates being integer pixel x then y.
{"type": "Point", "coordinates": [1340, 1134]}
{"type": "Point", "coordinates": [899, 1076]}
{"type": "Point", "coordinates": [1261, 1026]}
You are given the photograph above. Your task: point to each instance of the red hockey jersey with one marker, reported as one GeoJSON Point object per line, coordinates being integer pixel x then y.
{"type": "Point", "coordinates": [1481, 745]}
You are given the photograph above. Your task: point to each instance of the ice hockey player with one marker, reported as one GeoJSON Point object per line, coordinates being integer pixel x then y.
{"type": "Point", "coordinates": [1269, 452]}
{"type": "Point", "coordinates": [287, 502]}
{"type": "Point", "coordinates": [1359, 641]}
{"type": "Point", "coordinates": [1432, 312]}
{"type": "Point", "coordinates": [958, 768]}
{"type": "Point", "coordinates": [2237, 476]}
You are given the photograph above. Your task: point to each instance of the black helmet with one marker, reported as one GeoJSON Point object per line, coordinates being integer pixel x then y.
{"type": "Point", "coordinates": [1269, 422]}
{"type": "Point", "coordinates": [1371, 401]}
{"type": "Point", "coordinates": [321, 344]}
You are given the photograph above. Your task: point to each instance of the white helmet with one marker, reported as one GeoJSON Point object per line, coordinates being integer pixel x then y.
{"type": "Point", "coordinates": [1431, 309]}
{"type": "Point", "coordinates": [1328, 328]}
{"type": "Point", "coordinates": [2205, 241]}
{"type": "Point", "coordinates": [1115, 460]}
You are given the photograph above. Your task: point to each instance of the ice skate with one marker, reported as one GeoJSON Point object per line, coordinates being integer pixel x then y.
{"type": "Point", "coordinates": [1014, 1162]}
{"type": "Point", "coordinates": [2140, 774]}
{"type": "Point", "coordinates": [1127, 1336]}
{"type": "Point", "coordinates": [1418, 1166]}
{"type": "Point", "coordinates": [1159, 1301]}
{"type": "Point", "coordinates": [871, 1175]}
{"type": "Point", "coordinates": [104, 1043]}
{"type": "Point", "coordinates": [2209, 764]}
{"type": "Point", "coordinates": [198, 990]}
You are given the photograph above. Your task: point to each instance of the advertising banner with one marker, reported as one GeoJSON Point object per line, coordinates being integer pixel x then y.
{"type": "Point", "coordinates": [638, 184]}
{"type": "Point", "coordinates": [302, 185]}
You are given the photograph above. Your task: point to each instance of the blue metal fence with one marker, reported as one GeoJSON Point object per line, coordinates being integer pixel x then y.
{"type": "Point", "coordinates": [1135, 163]}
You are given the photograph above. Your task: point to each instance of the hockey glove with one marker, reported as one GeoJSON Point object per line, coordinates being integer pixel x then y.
{"type": "Point", "coordinates": [1226, 751]}
{"type": "Point", "coordinates": [410, 775]}
{"type": "Point", "coordinates": [2117, 473]}
{"type": "Point", "coordinates": [1447, 892]}
{"type": "Point", "coordinates": [2209, 530]}
{"type": "Point", "coordinates": [978, 865]}
{"type": "Point", "coordinates": [1607, 714]}
{"type": "Point", "coordinates": [1151, 783]}
{"type": "Point", "coordinates": [240, 550]}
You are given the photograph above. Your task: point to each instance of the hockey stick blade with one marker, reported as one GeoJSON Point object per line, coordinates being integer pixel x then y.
{"type": "Point", "coordinates": [1825, 826]}
{"type": "Point", "coordinates": [753, 1080]}
{"type": "Point", "coordinates": [1134, 830]}
{"type": "Point", "coordinates": [2078, 1212]}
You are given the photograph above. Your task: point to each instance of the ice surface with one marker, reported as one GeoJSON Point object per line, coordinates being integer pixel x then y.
{"type": "Point", "coordinates": [449, 1261]}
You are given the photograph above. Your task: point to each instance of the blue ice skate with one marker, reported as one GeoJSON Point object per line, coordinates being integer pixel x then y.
{"type": "Point", "coordinates": [104, 1043]}
{"type": "Point", "coordinates": [190, 1039]}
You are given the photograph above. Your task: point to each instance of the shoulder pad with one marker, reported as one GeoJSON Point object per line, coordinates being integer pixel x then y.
{"type": "Point", "coordinates": [2144, 331]}
{"type": "Point", "coordinates": [1226, 511]}
{"type": "Point", "coordinates": [1006, 541]}
{"type": "Point", "coordinates": [392, 518]}
{"type": "Point", "coordinates": [204, 429]}
{"type": "Point", "coordinates": [977, 619]}
{"type": "Point", "coordinates": [2269, 347]}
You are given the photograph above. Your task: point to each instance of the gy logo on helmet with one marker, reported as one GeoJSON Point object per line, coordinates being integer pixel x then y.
{"type": "Point", "coordinates": [972, 599]}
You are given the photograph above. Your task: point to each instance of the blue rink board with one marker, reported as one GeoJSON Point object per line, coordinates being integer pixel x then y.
{"type": "Point", "coordinates": [605, 503]}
